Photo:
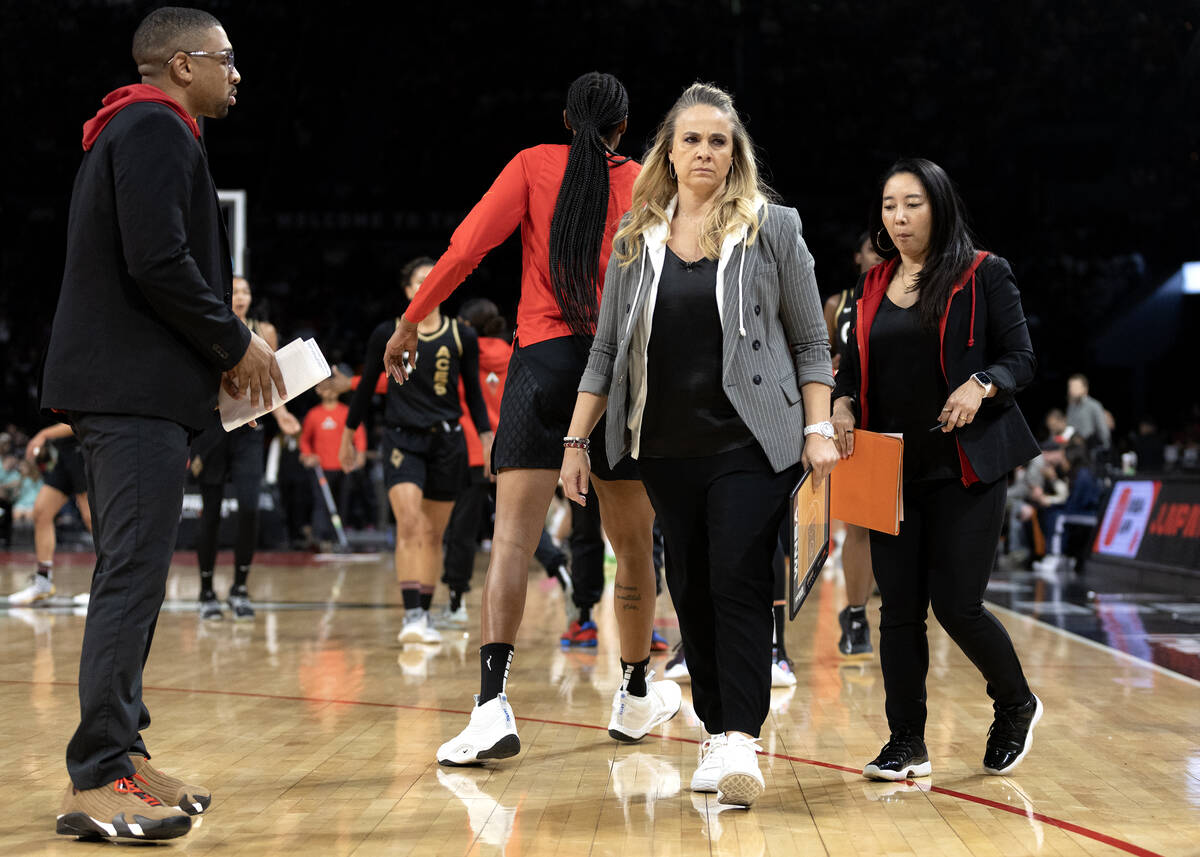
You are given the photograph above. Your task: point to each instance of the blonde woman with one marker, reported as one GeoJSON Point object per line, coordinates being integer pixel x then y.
{"type": "Point", "coordinates": [721, 406]}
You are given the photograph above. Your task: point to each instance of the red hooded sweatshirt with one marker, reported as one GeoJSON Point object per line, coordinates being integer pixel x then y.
{"type": "Point", "coordinates": [119, 99]}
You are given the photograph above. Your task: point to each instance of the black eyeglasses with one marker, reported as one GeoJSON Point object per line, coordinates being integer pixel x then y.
{"type": "Point", "coordinates": [225, 56]}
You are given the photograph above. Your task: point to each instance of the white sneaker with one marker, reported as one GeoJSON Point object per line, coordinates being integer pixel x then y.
{"type": "Point", "coordinates": [741, 781]}
{"type": "Point", "coordinates": [634, 716]}
{"type": "Point", "coordinates": [782, 675]}
{"type": "Point", "coordinates": [491, 734]}
{"type": "Point", "coordinates": [709, 765]}
{"type": "Point", "coordinates": [39, 589]}
{"type": "Point", "coordinates": [453, 618]}
{"type": "Point", "coordinates": [418, 629]}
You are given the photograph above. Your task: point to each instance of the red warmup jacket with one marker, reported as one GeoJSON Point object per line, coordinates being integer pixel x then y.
{"type": "Point", "coordinates": [493, 370]}
{"type": "Point", "coordinates": [523, 195]}
{"type": "Point", "coordinates": [321, 433]}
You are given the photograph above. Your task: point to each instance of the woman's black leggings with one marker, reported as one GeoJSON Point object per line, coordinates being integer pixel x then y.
{"type": "Point", "coordinates": [942, 557]}
{"type": "Point", "coordinates": [238, 457]}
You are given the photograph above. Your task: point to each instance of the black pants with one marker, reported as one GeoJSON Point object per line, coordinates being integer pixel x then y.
{"type": "Point", "coordinates": [236, 457]}
{"type": "Point", "coordinates": [587, 552]}
{"type": "Point", "coordinates": [461, 540]}
{"type": "Point", "coordinates": [720, 517]}
{"type": "Point", "coordinates": [135, 475]}
{"type": "Point", "coordinates": [943, 556]}
{"type": "Point", "coordinates": [339, 486]}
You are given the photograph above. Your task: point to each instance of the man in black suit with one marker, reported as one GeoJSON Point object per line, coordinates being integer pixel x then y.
{"type": "Point", "coordinates": [142, 339]}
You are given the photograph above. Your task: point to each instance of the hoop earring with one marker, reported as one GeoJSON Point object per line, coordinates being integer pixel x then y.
{"type": "Point", "coordinates": [671, 170]}
{"type": "Point", "coordinates": [879, 242]}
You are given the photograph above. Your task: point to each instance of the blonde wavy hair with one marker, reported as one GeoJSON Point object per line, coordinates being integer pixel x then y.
{"type": "Point", "coordinates": [655, 186]}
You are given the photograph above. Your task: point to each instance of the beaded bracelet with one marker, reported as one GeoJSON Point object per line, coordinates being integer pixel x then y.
{"type": "Point", "coordinates": [584, 443]}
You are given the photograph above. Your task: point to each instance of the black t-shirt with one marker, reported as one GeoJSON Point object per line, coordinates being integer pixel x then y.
{"type": "Point", "coordinates": [906, 392]}
{"type": "Point", "coordinates": [430, 396]}
{"type": "Point", "coordinates": [687, 412]}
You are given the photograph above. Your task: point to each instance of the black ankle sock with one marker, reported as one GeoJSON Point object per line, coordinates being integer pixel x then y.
{"type": "Point", "coordinates": [634, 677]}
{"type": "Point", "coordinates": [206, 581]}
{"type": "Point", "coordinates": [585, 614]}
{"type": "Point", "coordinates": [860, 610]}
{"type": "Point", "coordinates": [426, 597]}
{"type": "Point", "coordinates": [46, 569]}
{"type": "Point", "coordinates": [494, 661]}
{"type": "Point", "coordinates": [780, 629]}
{"type": "Point", "coordinates": [240, 573]}
{"type": "Point", "coordinates": [455, 600]}
{"type": "Point", "coordinates": [411, 595]}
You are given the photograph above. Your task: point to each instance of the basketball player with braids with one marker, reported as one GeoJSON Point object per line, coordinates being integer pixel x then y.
{"type": "Point", "coordinates": [425, 464]}
{"type": "Point", "coordinates": [855, 640]}
{"type": "Point", "coordinates": [567, 201]}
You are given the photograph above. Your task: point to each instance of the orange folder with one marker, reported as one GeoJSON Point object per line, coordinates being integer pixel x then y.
{"type": "Point", "coordinates": [865, 489]}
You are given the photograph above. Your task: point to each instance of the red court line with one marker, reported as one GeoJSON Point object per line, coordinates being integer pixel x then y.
{"type": "Point", "coordinates": [1071, 827]}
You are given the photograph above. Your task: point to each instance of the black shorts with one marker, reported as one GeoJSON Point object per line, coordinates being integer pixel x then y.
{"type": "Point", "coordinates": [433, 460]}
{"type": "Point", "coordinates": [535, 411]}
{"type": "Point", "coordinates": [67, 474]}
{"type": "Point", "coordinates": [230, 456]}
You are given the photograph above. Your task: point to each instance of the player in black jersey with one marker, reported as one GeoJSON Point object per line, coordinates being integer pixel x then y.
{"type": "Point", "coordinates": [856, 548]}
{"type": "Point", "coordinates": [218, 457]}
{"type": "Point", "coordinates": [424, 452]}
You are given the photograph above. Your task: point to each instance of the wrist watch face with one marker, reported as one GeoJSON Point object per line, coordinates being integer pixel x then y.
{"type": "Point", "coordinates": [983, 378]}
{"type": "Point", "coordinates": [824, 429]}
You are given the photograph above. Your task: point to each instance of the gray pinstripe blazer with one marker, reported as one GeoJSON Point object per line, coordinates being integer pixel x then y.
{"type": "Point", "coordinates": [774, 336]}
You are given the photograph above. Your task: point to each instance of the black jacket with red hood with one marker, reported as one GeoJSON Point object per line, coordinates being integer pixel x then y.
{"type": "Point", "coordinates": [982, 330]}
{"type": "Point", "coordinates": [143, 324]}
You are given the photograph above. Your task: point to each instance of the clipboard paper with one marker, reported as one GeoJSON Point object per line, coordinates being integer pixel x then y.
{"type": "Point", "coordinates": [302, 365]}
{"type": "Point", "coordinates": [866, 487]}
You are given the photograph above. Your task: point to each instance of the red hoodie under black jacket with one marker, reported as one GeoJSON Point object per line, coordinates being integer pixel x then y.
{"type": "Point", "coordinates": [982, 330]}
{"type": "Point", "coordinates": [143, 324]}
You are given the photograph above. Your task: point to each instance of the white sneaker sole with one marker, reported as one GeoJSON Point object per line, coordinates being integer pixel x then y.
{"type": "Point", "coordinates": [871, 772]}
{"type": "Point", "coordinates": [739, 789]}
{"type": "Point", "coordinates": [1037, 715]}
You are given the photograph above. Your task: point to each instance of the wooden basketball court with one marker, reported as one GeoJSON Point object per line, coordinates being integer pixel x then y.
{"type": "Point", "coordinates": [316, 731]}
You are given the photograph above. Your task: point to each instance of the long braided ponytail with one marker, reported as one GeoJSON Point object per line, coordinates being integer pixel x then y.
{"type": "Point", "coordinates": [596, 104]}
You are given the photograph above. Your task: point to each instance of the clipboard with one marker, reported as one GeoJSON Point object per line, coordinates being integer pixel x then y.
{"type": "Point", "coordinates": [866, 488]}
{"type": "Point", "coordinates": [809, 511]}
{"type": "Point", "coordinates": [302, 365]}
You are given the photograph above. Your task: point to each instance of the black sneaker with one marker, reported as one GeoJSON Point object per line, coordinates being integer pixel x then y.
{"type": "Point", "coordinates": [210, 607]}
{"type": "Point", "coordinates": [903, 757]}
{"type": "Point", "coordinates": [1011, 736]}
{"type": "Point", "coordinates": [239, 603]}
{"type": "Point", "coordinates": [856, 633]}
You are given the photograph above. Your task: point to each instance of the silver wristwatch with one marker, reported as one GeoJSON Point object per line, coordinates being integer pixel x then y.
{"type": "Point", "coordinates": [824, 429]}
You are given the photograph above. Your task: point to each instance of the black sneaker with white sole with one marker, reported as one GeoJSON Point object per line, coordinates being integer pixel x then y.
{"type": "Point", "coordinates": [1011, 735]}
{"type": "Point", "coordinates": [903, 757]}
{"type": "Point", "coordinates": [210, 607]}
{"type": "Point", "coordinates": [239, 603]}
{"type": "Point", "coordinates": [856, 633]}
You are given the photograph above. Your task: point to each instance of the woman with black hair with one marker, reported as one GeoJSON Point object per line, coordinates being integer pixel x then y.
{"type": "Point", "coordinates": [567, 202]}
{"type": "Point", "coordinates": [217, 457]}
{"type": "Point", "coordinates": [424, 452]}
{"type": "Point", "coordinates": [939, 340]}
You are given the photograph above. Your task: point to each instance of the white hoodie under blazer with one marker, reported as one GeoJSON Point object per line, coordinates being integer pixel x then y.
{"type": "Point", "coordinates": [774, 338]}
